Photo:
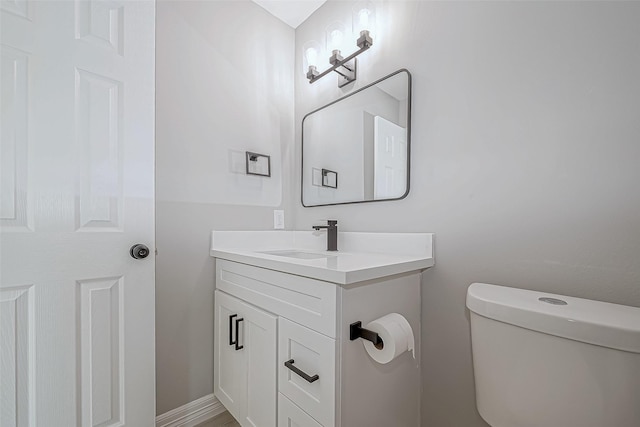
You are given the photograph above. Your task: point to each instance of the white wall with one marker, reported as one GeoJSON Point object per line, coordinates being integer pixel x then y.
{"type": "Point", "coordinates": [224, 86]}
{"type": "Point", "coordinates": [525, 150]}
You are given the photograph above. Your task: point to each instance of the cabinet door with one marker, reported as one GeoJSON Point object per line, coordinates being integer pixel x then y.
{"type": "Point", "coordinates": [290, 415]}
{"type": "Point", "coordinates": [229, 370]}
{"type": "Point", "coordinates": [257, 335]}
{"type": "Point", "coordinates": [245, 367]}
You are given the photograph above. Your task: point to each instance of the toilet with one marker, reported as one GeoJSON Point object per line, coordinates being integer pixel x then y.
{"type": "Point", "coordinates": [544, 360]}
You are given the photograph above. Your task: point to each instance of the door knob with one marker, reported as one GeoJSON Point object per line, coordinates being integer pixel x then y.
{"type": "Point", "coordinates": [139, 251]}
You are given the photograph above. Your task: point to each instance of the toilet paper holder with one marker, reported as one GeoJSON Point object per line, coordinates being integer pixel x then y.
{"type": "Point", "coordinates": [357, 331]}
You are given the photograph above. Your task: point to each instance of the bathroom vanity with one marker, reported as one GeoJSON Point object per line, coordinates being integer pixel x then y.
{"type": "Point", "coordinates": [283, 309]}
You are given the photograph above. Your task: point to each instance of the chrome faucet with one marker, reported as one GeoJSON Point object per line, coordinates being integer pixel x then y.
{"type": "Point", "coordinates": [332, 234]}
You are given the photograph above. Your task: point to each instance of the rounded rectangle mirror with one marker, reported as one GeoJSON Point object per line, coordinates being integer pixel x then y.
{"type": "Point", "coordinates": [356, 149]}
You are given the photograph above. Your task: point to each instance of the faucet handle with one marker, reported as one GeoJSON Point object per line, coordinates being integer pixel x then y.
{"type": "Point", "coordinates": [332, 224]}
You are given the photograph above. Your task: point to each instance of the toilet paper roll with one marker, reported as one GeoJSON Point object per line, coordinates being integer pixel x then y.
{"type": "Point", "coordinates": [397, 337]}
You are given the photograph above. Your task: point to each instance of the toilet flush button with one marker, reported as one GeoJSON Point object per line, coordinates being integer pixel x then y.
{"type": "Point", "coordinates": [554, 301]}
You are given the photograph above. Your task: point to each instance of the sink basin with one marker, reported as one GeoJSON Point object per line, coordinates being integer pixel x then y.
{"type": "Point", "coordinates": [298, 254]}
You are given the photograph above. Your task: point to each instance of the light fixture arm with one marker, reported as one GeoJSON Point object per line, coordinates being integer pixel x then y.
{"type": "Point", "coordinates": [345, 67]}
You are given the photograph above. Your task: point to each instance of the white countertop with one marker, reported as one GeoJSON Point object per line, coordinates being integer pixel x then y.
{"type": "Point", "coordinates": [360, 256]}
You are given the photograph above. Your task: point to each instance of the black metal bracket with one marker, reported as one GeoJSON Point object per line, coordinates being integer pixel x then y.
{"type": "Point", "coordinates": [326, 182]}
{"type": "Point", "coordinates": [254, 158]}
{"type": "Point", "coordinates": [357, 331]}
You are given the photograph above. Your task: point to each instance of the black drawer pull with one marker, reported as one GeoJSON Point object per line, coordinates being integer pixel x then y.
{"type": "Point", "coordinates": [231, 340]}
{"type": "Point", "coordinates": [238, 346]}
{"type": "Point", "coordinates": [289, 364]}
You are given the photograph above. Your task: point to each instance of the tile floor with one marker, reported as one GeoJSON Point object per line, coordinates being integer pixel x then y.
{"type": "Point", "coordinates": [222, 420]}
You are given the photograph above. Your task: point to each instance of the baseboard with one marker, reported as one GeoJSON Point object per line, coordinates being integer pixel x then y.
{"type": "Point", "coordinates": [192, 414]}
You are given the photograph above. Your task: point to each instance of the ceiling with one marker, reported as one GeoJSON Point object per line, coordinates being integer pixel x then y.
{"type": "Point", "coordinates": [292, 12]}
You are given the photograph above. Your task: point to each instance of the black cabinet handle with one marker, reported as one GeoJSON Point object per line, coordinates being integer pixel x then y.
{"type": "Point", "coordinates": [231, 340]}
{"type": "Point", "coordinates": [289, 364]}
{"type": "Point", "coordinates": [237, 343]}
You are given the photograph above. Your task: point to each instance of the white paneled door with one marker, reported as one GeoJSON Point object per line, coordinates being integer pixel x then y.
{"type": "Point", "coordinates": [77, 182]}
{"type": "Point", "coordinates": [390, 159]}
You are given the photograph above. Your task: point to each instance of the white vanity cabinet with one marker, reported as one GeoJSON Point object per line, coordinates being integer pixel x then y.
{"type": "Point", "coordinates": [283, 356]}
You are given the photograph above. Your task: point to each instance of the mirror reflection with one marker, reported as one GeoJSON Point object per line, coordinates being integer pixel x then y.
{"type": "Point", "coordinates": [356, 149]}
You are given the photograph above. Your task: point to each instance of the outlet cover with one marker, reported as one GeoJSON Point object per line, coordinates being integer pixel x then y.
{"type": "Point", "coordinates": [278, 219]}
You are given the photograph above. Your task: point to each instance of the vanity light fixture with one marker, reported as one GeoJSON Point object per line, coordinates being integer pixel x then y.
{"type": "Point", "coordinates": [345, 67]}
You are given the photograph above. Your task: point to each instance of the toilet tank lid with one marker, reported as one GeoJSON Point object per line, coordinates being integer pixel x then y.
{"type": "Point", "coordinates": [594, 322]}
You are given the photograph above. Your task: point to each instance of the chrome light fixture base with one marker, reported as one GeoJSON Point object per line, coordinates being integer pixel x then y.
{"type": "Point", "coordinates": [347, 72]}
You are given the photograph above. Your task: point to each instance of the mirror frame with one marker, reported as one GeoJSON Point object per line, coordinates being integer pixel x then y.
{"type": "Point", "coordinates": [409, 102]}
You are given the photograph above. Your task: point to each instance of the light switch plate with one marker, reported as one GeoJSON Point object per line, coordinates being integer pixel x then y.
{"type": "Point", "coordinates": [278, 219]}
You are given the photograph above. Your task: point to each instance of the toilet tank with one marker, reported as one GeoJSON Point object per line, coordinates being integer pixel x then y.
{"type": "Point", "coordinates": [548, 360]}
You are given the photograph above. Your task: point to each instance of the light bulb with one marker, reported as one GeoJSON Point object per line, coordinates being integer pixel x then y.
{"type": "Point", "coordinates": [312, 56]}
{"type": "Point", "coordinates": [363, 19]}
{"type": "Point", "coordinates": [336, 39]}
